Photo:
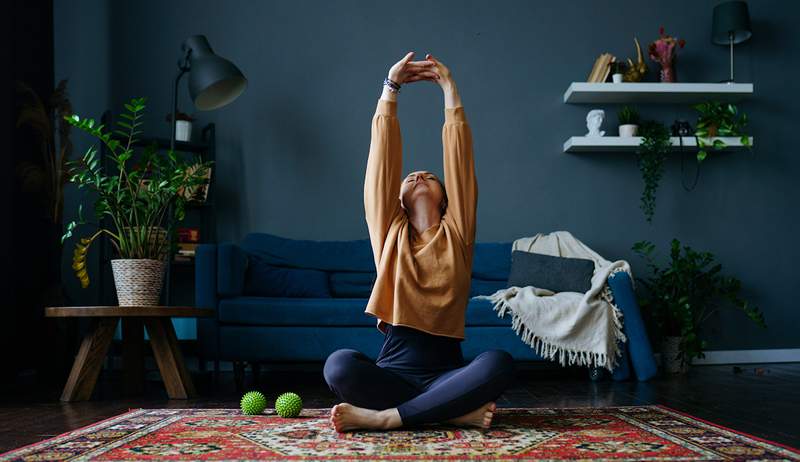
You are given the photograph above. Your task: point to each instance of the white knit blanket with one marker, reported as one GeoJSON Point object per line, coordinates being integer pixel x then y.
{"type": "Point", "coordinates": [579, 328]}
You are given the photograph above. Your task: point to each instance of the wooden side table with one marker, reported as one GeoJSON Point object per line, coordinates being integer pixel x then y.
{"type": "Point", "coordinates": [94, 347]}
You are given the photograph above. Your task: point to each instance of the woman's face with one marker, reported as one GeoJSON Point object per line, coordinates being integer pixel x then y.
{"type": "Point", "coordinates": [420, 185]}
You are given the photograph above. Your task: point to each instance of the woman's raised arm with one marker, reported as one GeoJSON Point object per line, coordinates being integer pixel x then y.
{"type": "Point", "coordinates": [459, 164]}
{"type": "Point", "coordinates": [385, 161]}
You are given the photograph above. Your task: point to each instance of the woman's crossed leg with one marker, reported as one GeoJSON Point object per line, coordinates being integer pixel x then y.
{"type": "Point", "coordinates": [377, 398]}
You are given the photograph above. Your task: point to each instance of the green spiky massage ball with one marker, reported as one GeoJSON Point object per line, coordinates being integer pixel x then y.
{"type": "Point", "coordinates": [288, 405]}
{"type": "Point", "coordinates": [253, 402]}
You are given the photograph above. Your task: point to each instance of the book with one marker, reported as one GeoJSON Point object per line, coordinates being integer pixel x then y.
{"type": "Point", "coordinates": [188, 235]}
{"type": "Point", "coordinates": [601, 69]}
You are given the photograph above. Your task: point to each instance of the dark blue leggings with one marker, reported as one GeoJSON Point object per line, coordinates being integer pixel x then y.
{"type": "Point", "coordinates": [422, 375]}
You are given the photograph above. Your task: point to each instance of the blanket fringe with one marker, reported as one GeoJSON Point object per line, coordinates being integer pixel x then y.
{"type": "Point", "coordinates": [566, 356]}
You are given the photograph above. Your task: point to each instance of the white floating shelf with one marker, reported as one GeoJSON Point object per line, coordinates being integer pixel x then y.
{"type": "Point", "coordinates": [655, 92]}
{"type": "Point", "coordinates": [631, 143]}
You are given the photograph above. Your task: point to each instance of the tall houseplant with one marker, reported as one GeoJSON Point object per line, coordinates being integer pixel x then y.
{"type": "Point", "coordinates": [143, 203]}
{"type": "Point", "coordinates": [718, 119]}
{"type": "Point", "coordinates": [682, 295]}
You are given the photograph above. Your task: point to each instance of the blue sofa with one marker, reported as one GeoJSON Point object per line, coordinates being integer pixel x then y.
{"type": "Point", "coordinates": [279, 299]}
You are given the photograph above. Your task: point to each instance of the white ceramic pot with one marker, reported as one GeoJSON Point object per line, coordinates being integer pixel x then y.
{"type": "Point", "coordinates": [628, 130]}
{"type": "Point", "coordinates": [183, 130]}
{"type": "Point", "coordinates": [138, 281]}
{"type": "Point", "coordinates": [616, 78]}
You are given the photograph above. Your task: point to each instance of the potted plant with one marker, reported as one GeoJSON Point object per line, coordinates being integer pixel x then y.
{"type": "Point", "coordinates": [682, 295]}
{"type": "Point", "coordinates": [662, 51]}
{"type": "Point", "coordinates": [142, 202]}
{"type": "Point", "coordinates": [650, 156]}
{"type": "Point", "coordinates": [718, 119]}
{"type": "Point", "coordinates": [183, 125]}
{"type": "Point", "coordinates": [628, 121]}
{"type": "Point", "coordinates": [617, 71]}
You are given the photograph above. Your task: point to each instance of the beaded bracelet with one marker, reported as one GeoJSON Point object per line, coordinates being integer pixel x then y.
{"type": "Point", "coordinates": [394, 87]}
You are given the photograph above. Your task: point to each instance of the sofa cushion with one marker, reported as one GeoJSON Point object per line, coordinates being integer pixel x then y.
{"type": "Point", "coordinates": [491, 261]}
{"type": "Point", "coordinates": [267, 280]}
{"type": "Point", "coordinates": [483, 287]}
{"type": "Point", "coordinates": [353, 255]}
{"type": "Point", "coordinates": [286, 311]}
{"type": "Point", "coordinates": [350, 284]}
{"type": "Point", "coordinates": [232, 264]}
{"type": "Point", "coordinates": [559, 274]}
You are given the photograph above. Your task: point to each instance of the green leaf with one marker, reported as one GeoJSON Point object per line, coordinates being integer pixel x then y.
{"type": "Point", "coordinates": [701, 155]}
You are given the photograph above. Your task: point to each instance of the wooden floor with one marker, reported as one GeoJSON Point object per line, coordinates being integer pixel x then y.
{"type": "Point", "coordinates": [762, 400]}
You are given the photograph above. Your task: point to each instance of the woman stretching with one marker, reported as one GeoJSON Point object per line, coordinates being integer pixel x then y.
{"type": "Point", "coordinates": [422, 234]}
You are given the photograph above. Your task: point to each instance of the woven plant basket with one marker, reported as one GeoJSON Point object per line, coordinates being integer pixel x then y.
{"type": "Point", "coordinates": [138, 281]}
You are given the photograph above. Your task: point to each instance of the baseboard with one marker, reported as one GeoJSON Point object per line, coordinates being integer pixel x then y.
{"type": "Point", "coordinates": [784, 355]}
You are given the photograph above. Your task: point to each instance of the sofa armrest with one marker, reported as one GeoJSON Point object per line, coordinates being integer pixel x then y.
{"type": "Point", "coordinates": [205, 296]}
{"type": "Point", "coordinates": [232, 264]}
{"type": "Point", "coordinates": [639, 349]}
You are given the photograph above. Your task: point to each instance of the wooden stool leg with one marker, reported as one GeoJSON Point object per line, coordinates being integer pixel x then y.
{"type": "Point", "coordinates": [169, 358]}
{"type": "Point", "coordinates": [89, 360]}
{"type": "Point", "coordinates": [133, 355]}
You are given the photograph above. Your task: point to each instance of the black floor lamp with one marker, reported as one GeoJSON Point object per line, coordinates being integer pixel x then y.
{"type": "Point", "coordinates": [213, 82]}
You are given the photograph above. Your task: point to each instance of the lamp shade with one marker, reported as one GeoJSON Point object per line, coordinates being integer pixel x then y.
{"type": "Point", "coordinates": [730, 18]}
{"type": "Point", "coordinates": [213, 81]}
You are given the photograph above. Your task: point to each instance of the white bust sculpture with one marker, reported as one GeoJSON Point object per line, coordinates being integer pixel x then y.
{"type": "Point", "coordinates": [593, 121]}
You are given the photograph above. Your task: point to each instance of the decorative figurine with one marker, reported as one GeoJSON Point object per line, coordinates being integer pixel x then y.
{"type": "Point", "coordinates": [635, 72]}
{"type": "Point", "coordinates": [594, 119]}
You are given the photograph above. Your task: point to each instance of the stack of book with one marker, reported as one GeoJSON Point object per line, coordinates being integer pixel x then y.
{"type": "Point", "coordinates": [601, 68]}
{"type": "Point", "coordinates": [188, 240]}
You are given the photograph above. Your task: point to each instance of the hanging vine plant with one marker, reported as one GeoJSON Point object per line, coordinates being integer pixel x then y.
{"type": "Point", "coordinates": [651, 155]}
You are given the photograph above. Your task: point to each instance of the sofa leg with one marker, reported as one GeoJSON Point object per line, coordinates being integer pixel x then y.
{"type": "Point", "coordinates": [256, 367]}
{"type": "Point", "coordinates": [238, 375]}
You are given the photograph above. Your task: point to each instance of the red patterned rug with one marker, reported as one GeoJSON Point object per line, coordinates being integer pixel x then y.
{"type": "Point", "coordinates": [614, 433]}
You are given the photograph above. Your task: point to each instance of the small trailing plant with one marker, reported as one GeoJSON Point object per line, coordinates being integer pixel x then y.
{"type": "Point", "coordinates": [685, 292]}
{"type": "Point", "coordinates": [628, 115]}
{"type": "Point", "coordinates": [650, 156]}
{"type": "Point", "coordinates": [139, 200]}
{"type": "Point", "coordinates": [718, 119]}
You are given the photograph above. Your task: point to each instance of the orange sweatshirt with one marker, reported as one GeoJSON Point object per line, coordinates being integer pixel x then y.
{"type": "Point", "coordinates": [423, 279]}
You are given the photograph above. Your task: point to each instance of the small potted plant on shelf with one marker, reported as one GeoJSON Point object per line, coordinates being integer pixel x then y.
{"type": "Point", "coordinates": [682, 295]}
{"type": "Point", "coordinates": [617, 71]}
{"type": "Point", "coordinates": [628, 121]}
{"type": "Point", "coordinates": [183, 126]}
{"type": "Point", "coordinates": [143, 202]}
{"type": "Point", "coordinates": [718, 119]}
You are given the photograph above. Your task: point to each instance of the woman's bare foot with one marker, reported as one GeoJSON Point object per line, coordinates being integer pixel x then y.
{"type": "Point", "coordinates": [345, 416]}
{"type": "Point", "coordinates": [481, 417]}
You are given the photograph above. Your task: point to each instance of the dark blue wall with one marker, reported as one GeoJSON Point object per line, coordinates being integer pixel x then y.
{"type": "Point", "coordinates": [292, 151]}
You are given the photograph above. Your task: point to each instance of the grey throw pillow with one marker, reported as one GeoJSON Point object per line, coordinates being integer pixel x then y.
{"type": "Point", "coordinates": [559, 274]}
